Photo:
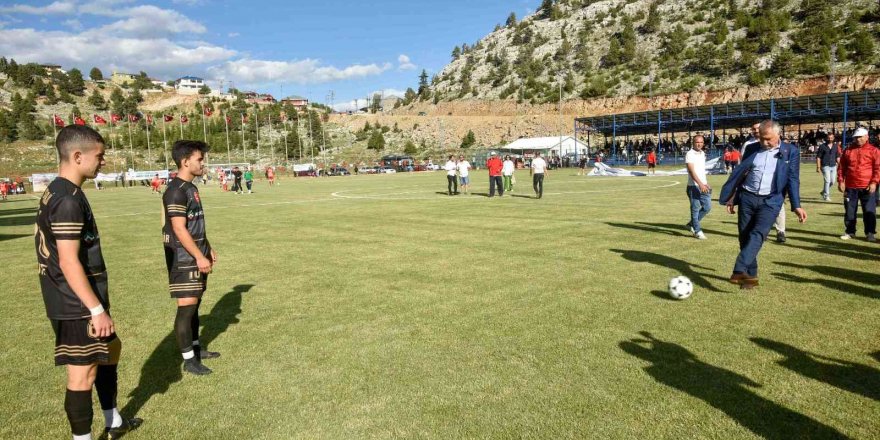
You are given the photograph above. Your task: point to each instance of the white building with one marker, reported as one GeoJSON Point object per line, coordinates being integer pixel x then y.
{"type": "Point", "coordinates": [188, 85]}
{"type": "Point", "coordinates": [546, 145]}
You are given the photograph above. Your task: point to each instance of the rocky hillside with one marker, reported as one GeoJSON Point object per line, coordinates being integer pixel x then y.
{"type": "Point", "coordinates": [615, 48]}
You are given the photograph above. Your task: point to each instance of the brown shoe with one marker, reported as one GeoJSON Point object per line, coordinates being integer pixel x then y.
{"type": "Point", "coordinates": [749, 284]}
{"type": "Point", "coordinates": [740, 278]}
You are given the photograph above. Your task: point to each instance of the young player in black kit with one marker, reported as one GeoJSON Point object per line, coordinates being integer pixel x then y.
{"type": "Point", "coordinates": [188, 254]}
{"type": "Point", "coordinates": [73, 279]}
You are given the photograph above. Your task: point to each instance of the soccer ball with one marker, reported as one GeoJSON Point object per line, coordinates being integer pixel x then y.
{"type": "Point", "coordinates": [681, 287]}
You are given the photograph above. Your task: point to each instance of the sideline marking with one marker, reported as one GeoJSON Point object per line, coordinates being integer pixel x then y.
{"type": "Point", "coordinates": [384, 196]}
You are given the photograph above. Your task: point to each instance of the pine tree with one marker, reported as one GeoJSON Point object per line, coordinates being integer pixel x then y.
{"type": "Point", "coordinates": [51, 96]}
{"type": "Point", "coordinates": [376, 141]}
{"type": "Point", "coordinates": [468, 140]}
{"type": "Point", "coordinates": [511, 20]}
{"type": "Point", "coordinates": [97, 101]}
{"type": "Point", "coordinates": [456, 52]}
{"type": "Point", "coordinates": [652, 23]}
{"type": "Point", "coordinates": [117, 101]}
{"type": "Point", "coordinates": [95, 74]}
{"type": "Point", "coordinates": [424, 88]}
{"type": "Point", "coordinates": [410, 148]}
{"type": "Point", "coordinates": [75, 83]}
{"type": "Point", "coordinates": [64, 96]}
{"type": "Point", "coordinates": [8, 128]}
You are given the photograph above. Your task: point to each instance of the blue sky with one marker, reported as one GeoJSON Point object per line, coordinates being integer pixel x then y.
{"type": "Point", "coordinates": [307, 47]}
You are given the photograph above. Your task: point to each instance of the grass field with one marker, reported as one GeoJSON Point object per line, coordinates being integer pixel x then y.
{"type": "Point", "coordinates": [377, 307]}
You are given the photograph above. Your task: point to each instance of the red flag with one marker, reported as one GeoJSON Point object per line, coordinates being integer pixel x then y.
{"type": "Point", "coordinates": [99, 120]}
{"type": "Point", "coordinates": [115, 118]}
{"type": "Point", "coordinates": [79, 121]}
{"type": "Point", "coordinates": [244, 119]}
{"type": "Point", "coordinates": [133, 118]}
{"type": "Point", "coordinates": [168, 118]}
{"type": "Point", "coordinates": [228, 120]}
{"type": "Point", "coordinates": [183, 119]}
{"type": "Point", "coordinates": [58, 121]}
{"type": "Point", "coordinates": [149, 119]}
{"type": "Point", "coordinates": [208, 112]}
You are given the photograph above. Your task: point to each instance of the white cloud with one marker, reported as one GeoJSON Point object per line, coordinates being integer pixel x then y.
{"type": "Point", "coordinates": [354, 104]}
{"type": "Point", "coordinates": [307, 71]}
{"type": "Point", "coordinates": [73, 24]}
{"type": "Point", "coordinates": [159, 57]}
{"type": "Point", "coordinates": [150, 22]}
{"type": "Point", "coordinates": [233, 34]}
{"type": "Point", "coordinates": [59, 7]}
{"type": "Point", "coordinates": [404, 63]}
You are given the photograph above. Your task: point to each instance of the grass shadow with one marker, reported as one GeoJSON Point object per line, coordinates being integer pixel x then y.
{"type": "Point", "coordinates": [4, 237]}
{"type": "Point", "coordinates": [837, 272]}
{"type": "Point", "coordinates": [680, 266]}
{"type": "Point", "coordinates": [162, 368]}
{"type": "Point", "coordinates": [831, 284]}
{"type": "Point", "coordinates": [18, 211]}
{"type": "Point", "coordinates": [662, 295]}
{"type": "Point", "coordinates": [848, 376]}
{"type": "Point", "coordinates": [653, 229]}
{"type": "Point", "coordinates": [523, 196]}
{"type": "Point", "coordinates": [21, 220]}
{"type": "Point", "coordinates": [729, 392]}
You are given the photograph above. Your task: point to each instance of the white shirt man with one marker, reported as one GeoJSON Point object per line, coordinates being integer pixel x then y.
{"type": "Point", "coordinates": [698, 190]}
{"type": "Point", "coordinates": [464, 174]}
{"type": "Point", "coordinates": [451, 181]}
{"type": "Point", "coordinates": [538, 169]}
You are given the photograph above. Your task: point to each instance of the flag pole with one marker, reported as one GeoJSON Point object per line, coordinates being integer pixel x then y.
{"type": "Point", "coordinates": [164, 142]}
{"type": "Point", "coordinates": [243, 151]}
{"type": "Point", "coordinates": [271, 144]}
{"type": "Point", "coordinates": [228, 152]}
{"type": "Point", "coordinates": [130, 143]}
{"type": "Point", "coordinates": [54, 137]}
{"type": "Point", "coordinates": [180, 119]}
{"type": "Point", "coordinates": [149, 149]}
{"type": "Point", "coordinates": [112, 138]}
{"type": "Point", "coordinates": [204, 127]}
{"type": "Point", "coordinates": [257, 125]}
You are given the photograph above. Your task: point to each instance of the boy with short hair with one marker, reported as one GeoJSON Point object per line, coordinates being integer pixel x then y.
{"type": "Point", "coordinates": [188, 254]}
{"type": "Point", "coordinates": [73, 280]}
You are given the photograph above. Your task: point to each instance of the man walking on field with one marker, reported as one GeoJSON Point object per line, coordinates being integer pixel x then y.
{"type": "Point", "coordinates": [537, 170]}
{"type": "Point", "coordinates": [495, 165]}
{"type": "Point", "coordinates": [698, 190]}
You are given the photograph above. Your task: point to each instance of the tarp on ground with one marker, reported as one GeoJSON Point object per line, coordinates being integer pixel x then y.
{"type": "Point", "coordinates": [713, 166]}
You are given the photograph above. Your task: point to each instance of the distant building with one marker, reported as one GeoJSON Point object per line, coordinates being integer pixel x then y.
{"type": "Point", "coordinates": [298, 102]}
{"type": "Point", "coordinates": [188, 85]}
{"type": "Point", "coordinates": [120, 78]}
{"type": "Point", "coordinates": [158, 83]}
{"type": "Point", "coordinates": [258, 98]}
{"type": "Point", "coordinates": [50, 68]}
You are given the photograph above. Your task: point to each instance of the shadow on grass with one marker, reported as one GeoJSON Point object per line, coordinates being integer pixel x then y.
{"type": "Point", "coordinates": [162, 368]}
{"type": "Point", "coordinates": [523, 196]}
{"type": "Point", "coordinates": [680, 266]}
{"type": "Point", "coordinates": [662, 295]}
{"type": "Point", "coordinates": [646, 227]}
{"type": "Point", "coordinates": [831, 284]}
{"type": "Point", "coordinates": [848, 376]}
{"type": "Point", "coordinates": [837, 272]}
{"type": "Point", "coordinates": [4, 237]}
{"type": "Point", "coordinates": [676, 367]}
{"type": "Point", "coordinates": [18, 211]}
{"type": "Point", "coordinates": [876, 355]}
{"type": "Point", "coordinates": [20, 220]}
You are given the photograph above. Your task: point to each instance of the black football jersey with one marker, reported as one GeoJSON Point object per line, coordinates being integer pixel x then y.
{"type": "Point", "coordinates": [65, 214]}
{"type": "Point", "coordinates": [181, 199]}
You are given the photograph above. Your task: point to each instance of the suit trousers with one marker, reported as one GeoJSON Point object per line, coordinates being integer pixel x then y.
{"type": "Point", "coordinates": [851, 199]}
{"type": "Point", "coordinates": [756, 217]}
{"type": "Point", "coordinates": [452, 184]}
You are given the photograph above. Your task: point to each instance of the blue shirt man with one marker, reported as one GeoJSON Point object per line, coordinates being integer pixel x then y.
{"type": "Point", "coordinates": [770, 170]}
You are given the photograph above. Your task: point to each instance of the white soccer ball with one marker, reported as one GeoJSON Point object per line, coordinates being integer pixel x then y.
{"type": "Point", "coordinates": [681, 287]}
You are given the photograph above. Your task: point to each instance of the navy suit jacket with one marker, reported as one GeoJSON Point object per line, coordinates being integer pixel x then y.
{"type": "Point", "coordinates": [788, 180]}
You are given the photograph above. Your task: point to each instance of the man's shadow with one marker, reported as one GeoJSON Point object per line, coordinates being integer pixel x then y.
{"type": "Point", "coordinates": [680, 266]}
{"type": "Point", "coordinates": [162, 368]}
{"type": "Point", "coordinates": [678, 368]}
{"type": "Point", "coordinates": [849, 376]}
{"type": "Point", "coordinates": [827, 283]}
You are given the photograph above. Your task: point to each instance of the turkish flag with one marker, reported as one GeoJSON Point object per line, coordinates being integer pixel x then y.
{"type": "Point", "coordinates": [228, 120]}
{"type": "Point", "coordinates": [115, 118]}
{"type": "Point", "coordinates": [79, 121]}
{"type": "Point", "coordinates": [99, 120]}
{"type": "Point", "coordinates": [133, 118]}
{"type": "Point", "coordinates": [168, 118]}
{"type": "Point", "coordinates": [149, 119]}
{"type": "Point", "coordinates": [244, 119]}
{"type": "Point", "coordinates": [183, 119]}
{"type": "Point", "coordinates": [208, 112]}
{"type": "Point", "coordinates": [58, 121]}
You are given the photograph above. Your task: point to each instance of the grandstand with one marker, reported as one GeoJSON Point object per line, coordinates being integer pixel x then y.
{"type": "Point", "coordinates": [846, 109]}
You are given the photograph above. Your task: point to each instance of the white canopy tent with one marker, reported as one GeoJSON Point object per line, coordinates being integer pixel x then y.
{"type": "Point", "coordinates": [545, 145]}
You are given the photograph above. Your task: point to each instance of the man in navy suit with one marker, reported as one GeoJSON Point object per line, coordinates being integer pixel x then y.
{"type": "Point", "coordinates": [770, 169]}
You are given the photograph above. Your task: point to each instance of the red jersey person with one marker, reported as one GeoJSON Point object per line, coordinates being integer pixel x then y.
{"type": "Point", "coordinates": [494, 164]}
{"type": "Point", "coordinates": [652, 161]}
{"type": "Point", "coordinates": [270, 175]}
{"type": "Point", "coordinates": [154, 184]}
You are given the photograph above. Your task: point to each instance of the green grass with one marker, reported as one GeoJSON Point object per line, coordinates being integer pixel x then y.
{"type": "Point", "coordinates": [391, 311]}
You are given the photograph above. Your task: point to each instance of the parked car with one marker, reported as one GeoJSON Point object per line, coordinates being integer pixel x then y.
{"type": "Point", "coordinates": [387, 170]}
{"type": "Point", "coordinates": [368, 170]}
{"type": "Point", "coordinates": [338, 171]}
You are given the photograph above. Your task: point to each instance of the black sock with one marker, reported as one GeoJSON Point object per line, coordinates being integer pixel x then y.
{"type": "Point", "coordinates": [195, 322]}
{"type": "Point", "coordinates": [106, 384]}
{"type": "Point", "coordinates": [183, 327]}
{"type": "Point", "coordinates": [78, 406]}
